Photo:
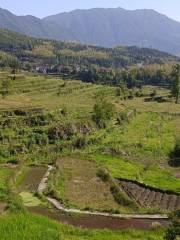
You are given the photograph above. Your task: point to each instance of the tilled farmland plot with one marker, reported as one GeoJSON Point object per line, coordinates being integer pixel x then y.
{"type": "Point", "coordinates": [151, 198]}
{"type": "Point", "coordinates": [33, 178]}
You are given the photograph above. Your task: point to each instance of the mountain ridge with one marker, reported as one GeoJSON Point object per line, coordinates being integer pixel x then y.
{"type": "Point", "coordinates": [102, 27]}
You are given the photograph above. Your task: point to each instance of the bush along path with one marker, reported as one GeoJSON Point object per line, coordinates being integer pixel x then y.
{"type": "Point", "coordinates": [61, 207]}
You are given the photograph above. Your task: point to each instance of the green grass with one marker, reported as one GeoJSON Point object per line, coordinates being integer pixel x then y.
{"type": "Point", "coordinates": [24, 171]}
{"type": "Point", "coordinates": [142, 106]}
{"type": "Point", "coordinates": [152, 176]}
{"type": "Point", "coordinates": [51, 93]}
{"type": "Point", "coordinates": [142, 149]}
{"type": "Point", "coordinates": [29, 199]}
{"type": "Point", "coordinates": [25, 227]}
{"type": "Point", "coordinates": [148, 135]}
{"type": "Point", "coordinates": [5, 175]}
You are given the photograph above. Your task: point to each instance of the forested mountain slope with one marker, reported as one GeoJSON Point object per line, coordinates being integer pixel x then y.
{"type": "Point", "coordinates": [103, 27]}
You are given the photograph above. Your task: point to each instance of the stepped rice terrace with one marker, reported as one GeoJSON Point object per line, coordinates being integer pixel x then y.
{"type": "Point", "coordinates": [121, 166]}
{"type": "Point", "coordinates": [89, 141]}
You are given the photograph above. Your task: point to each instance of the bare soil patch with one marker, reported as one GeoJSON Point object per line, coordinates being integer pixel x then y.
{"type": "Point", "coordinates": [97, 222]}
{"type": "Point", "coordinates": [177, 174]}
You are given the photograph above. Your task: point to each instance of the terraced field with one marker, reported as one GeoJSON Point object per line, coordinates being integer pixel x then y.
{"type": "Point", "coordinates": [31, 181]}
{"type": "Point", "coordinates": [50, 93]}
{"type": "Point", "coordinates": [42, 119]}
{"type": "Point", "coordinates": [32, 84]}
{"type": "Point", "coordinates": [76, 184]}
{"type": "Point", "coordinates": [150, 197]}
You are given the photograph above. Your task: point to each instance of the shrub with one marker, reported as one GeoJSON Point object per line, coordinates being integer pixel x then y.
{"type": "Point", "coordinates": [139, 93]}
{"type": "Point", "coordinates": [13, 161]}
{"type": "Point", "coordinates": [61, 132]}
{"type": "Point", "coordinates": [119, 197]}
{"type": "Point", "coordinates": [154, 93]}
{"type": "Point", "coordinates": [102, 112]}
{"type": "Point", "coordinates": [104, 175]}
{"type": "Point", "coordinates": [64, 111]}
{"type": "Point", "coordinates": [156, 226]}
{"type": "Point", "coordinates": [174, 160]}
{"type": "Point", "coordinates": [125, 116]}
{"type": "Point", "coordinates": [115, 189]}
{"type": "Point", "coordinates": [6, 87]}
{"type": "Point", "coordinates": [15, 203]}
{"type": "Point", "coordinates": [174, 229]}
{"type": "Point", "coordinates": [80, 142]}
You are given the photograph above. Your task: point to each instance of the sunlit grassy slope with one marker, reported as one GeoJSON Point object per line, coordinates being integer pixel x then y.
{"type": "Point", "coordinates": [141, 146]}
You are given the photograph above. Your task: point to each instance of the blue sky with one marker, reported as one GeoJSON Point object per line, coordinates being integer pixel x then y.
{"type": "Point", "coordinates": [41, 8]}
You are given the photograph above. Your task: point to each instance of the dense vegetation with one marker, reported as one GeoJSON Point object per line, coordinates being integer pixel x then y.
{"type": "Point", "coordinates": [174, 229]}
{"type": "Point", "coordinates": [132, 65]}
{"type": "Point", "coordinates": [44, 117]}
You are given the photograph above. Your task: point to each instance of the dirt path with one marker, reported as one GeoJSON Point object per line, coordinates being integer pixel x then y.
{"type": "Point", "coordinates": [43, 184]}
{"type": "Point", "coordinates": [60, 207]}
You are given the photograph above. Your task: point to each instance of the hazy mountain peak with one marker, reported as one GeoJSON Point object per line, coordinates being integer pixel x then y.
{"type": "Point", "coordinates": [104, 27]}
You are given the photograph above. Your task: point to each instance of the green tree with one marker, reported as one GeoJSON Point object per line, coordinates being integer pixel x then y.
{"type": "Point", "coordinates": [175, 76]}
{"type": "Point", "coordinates": [174, 160]}
{"type": "Point", "coordinates": [102, 112]}
{"type": "Point", "coordinates": [122, 90]}
{"type": "Point", "coordinates": [174, 229]}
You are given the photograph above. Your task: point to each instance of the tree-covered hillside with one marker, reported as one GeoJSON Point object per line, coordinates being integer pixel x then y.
{"type": "Point", "coordinates": [12, 41]}
{"type": "Point", "coordinates": [132, 65]}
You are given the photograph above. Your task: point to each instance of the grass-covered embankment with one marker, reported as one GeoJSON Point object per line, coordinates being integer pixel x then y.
{"type": "Point", "coordinates": [26, 226]}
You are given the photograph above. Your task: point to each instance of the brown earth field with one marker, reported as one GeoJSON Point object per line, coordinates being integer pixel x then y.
{"type": "Point", "coordinates": [98, 222]}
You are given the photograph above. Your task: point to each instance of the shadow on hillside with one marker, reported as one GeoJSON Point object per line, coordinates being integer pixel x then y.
{"type": "Point", "coordinates": [174, 156]}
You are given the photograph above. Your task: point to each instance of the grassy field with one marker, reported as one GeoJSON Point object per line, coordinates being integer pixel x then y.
{"type": "Point", "coordinates": [29, 90]}
{"type": "Point", "coordinates": [143, 145]}
{"type": "Point", "coordinates": [153, 106]}
{"type": "Point", "coordinates": [5, 175]}
{"type": "Point", "coordinates": [29, 199]}
{"type": "Point", "coordinates": [51, 94]}
{"type": "Point", "coordinates": [152, 176]}
{"type": "Point", "coordinates": [25, 227]}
